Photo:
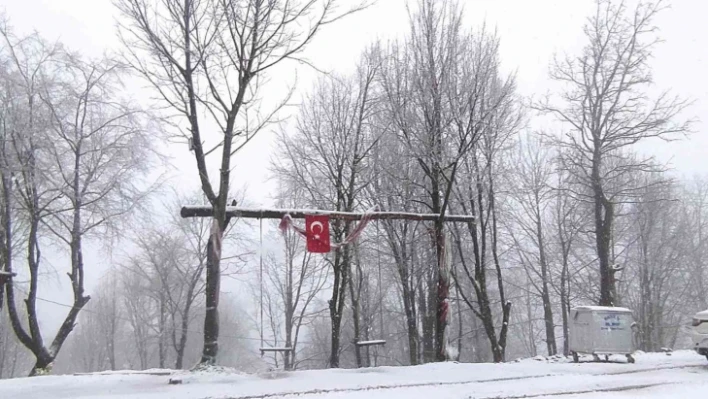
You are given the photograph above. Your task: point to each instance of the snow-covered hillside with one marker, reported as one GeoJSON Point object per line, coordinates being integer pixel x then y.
{"type": "Point", "coordinates": [682, 375]}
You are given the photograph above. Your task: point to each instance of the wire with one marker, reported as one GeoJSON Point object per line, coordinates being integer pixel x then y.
{"type": "Point", "coordinates": [236, 337]}
{"type": "Point", "coordinates": [127, 320]}
{"type": "Point", "coordinates": [260, 279]}
{"type": "Point", "coordinates": [378, 262]}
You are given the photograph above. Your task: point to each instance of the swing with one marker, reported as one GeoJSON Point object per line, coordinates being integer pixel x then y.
{"type": "Point", "coordinates": [266, 349]}
{"type": "Point", "coordinates": [375, 343]}
{"type": "Point", "coordinates": [318, 241]}
{"type": "Point", "coordinates": [316, 233]}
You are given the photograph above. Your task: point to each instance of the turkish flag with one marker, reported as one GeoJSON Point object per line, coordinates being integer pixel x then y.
{"type": "Point", "coordinates": [317, 229]}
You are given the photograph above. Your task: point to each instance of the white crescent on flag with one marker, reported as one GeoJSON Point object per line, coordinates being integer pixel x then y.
{"type": "Point", "coordinates": [316, 224]}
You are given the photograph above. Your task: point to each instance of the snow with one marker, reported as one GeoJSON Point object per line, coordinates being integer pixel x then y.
{"type": "Point", "coordinates": [654, 376]}
{"type": "Point", "coordinates": [6, 274]}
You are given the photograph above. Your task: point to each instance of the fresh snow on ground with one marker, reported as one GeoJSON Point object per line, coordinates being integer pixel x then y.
{"type": "Point", "coordinates": [682, 374]}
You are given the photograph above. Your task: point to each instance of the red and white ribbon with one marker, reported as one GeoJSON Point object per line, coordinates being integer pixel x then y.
{"type": "Point", "coordinates": [287, 222]}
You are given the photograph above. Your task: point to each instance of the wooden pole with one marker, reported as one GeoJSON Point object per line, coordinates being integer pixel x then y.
{"type": "Point", "coordinates": [232, 211]}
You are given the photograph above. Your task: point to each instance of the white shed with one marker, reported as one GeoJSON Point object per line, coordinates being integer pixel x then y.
{"type": "Point", "coordinates": [600, 330]}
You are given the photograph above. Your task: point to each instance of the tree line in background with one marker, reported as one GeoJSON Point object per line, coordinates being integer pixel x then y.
{"type": "Point", "coordinates": [571, 215]}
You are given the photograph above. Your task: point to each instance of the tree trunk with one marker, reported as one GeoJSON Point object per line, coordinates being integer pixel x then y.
{"type": "Point", "coordinates": [43, 363]}
{"type": "Point", "coordinates": [565, 246]}
{"type": "Point", "coordinates": [548, 319]}
{"type": "Point", "coordinates": [565, 305]}
{"type": "Point", "coordinates": [289, 357]}
{"type": "Point", "coordinates": [181, 346]}
{"type": "Point", "coordinates": [6, 230]}
{"type": "Point", "coordinates": [212, 291]}
{"type": "Point", "coordinates": [529, 317]}
{"type": "Point", "coordinates": [403, 265]}
{"type": "Point", "coordinates": [162, 321]}
{"type": "Point", "coordinates": [112, 340]}
{"type": "Point", "coordinates": [336, 326]}
{"type": "Point", "coordinates": [646, 311]}
{"type": "Point", "coordinates": [426, 306]}
{"type": "Point", "coordinates": [477, 355]}
{"type": "Point", "coordinates": [603, 233]}
{"type": "Point", "coordinates": [336, 303]}
{"type": "Point", "coordinates": [500, 356]}
{"type": "Point", "coordinates": [355, 319]}
{"type": "Point", "coordinates": [459, 322]}
{"type": "Point", "coordinates": [545, 292]}
{"type": "Point", "coordinates": [506, 306]}
{"type": "Point", "coordinates": [697, 276]}
{"type": "Point", "coordinates": [488, 325]}
{"type": "Point", "coordinates": [443, 290]}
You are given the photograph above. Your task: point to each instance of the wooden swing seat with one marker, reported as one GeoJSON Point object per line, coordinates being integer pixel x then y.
{"type": "Point", "coordinates": [276, 349]}
{"type": "Point", "coordinates": [375, 342]}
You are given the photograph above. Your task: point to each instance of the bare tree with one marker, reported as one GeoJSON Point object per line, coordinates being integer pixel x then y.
{"type": "Point", "coordinates": [28, 60]}
{"type": "Point", "coordinates": [325, 163]}
{"type": "Point", "coordinates": [163, 285]}
{"type": "Point", "coordinates": [292, 284]}
{"type": "Point", "coordinates": [395, 183]}
{"type": "Point", "coordinates": [436, 96]}
{"type": "Point", "coordinates": [604, 102]}
{"type": "Point", "coordinates": [696, 212]}
{"type": "Point", "coordinates": [79, 154]}
{"type": "Point", "coordinates": [111, 321]}
{"type": "Point", "coordinates": [189, 273]}
{"type": "Point", "coordinates": [479, 194]}
{"type": "Point", "coordinates": [301, 289]}
{"type": "Point", "coordinates": [655, 277]}
{"type": "Point", "coordinates": [569, 221]}
{"type": "Point", "coordinates": [211, 57]}
{"type": "Point", "coordinates": [533, 196]}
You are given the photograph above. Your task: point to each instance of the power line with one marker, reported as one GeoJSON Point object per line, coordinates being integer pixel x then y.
{"type": "Point", "coordinates": [127, 320]}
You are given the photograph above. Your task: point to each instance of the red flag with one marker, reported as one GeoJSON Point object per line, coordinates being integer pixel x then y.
{"type": "Point", "coordinates": [317, 229]}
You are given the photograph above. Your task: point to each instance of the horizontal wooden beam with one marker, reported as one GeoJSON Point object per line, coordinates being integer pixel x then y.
{"type": "Point", "coordinates": [232, 211]}
{"type": "Point", "coordinates": [284, 349]}
{"type": "Point", "coordinates": [5, 276]}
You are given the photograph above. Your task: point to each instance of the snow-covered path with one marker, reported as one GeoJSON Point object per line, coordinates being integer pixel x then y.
{"type": "Point", "coordinates": [682, 375]}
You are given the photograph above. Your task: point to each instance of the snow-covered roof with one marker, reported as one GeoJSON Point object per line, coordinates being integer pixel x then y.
{"type": "Point", "coordinates": [602, 309]}
{"type": "Point", "coordinates": [702, 315]}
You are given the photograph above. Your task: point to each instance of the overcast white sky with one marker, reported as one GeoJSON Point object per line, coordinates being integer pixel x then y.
{"type": "Point", "coordinates": [531, 32]}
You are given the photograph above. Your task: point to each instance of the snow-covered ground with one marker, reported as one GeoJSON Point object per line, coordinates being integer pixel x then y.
{"type": "Point", "coordinates": [683, 375]}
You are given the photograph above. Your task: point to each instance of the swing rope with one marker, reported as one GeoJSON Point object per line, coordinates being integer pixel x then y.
{"type": "Point", "coordinates": [378, 262]}
{"type": "Point", "coordinates": [272, 349]}
{"type": "Point", "coordinates": [260, 278]}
